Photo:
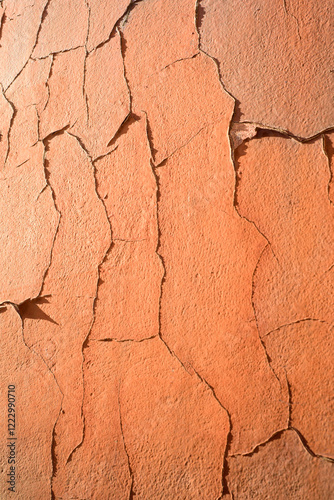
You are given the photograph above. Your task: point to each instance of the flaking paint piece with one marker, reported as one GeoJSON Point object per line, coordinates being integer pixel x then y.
{"type": "Point", "coordinates": [70, 285]}
{"type": "Point", "coordinates": [19, 16]}
{"type": "Point", "coordinates": [304, 353]}
{"type": "Point", "coordinates": [98, 468]}
{"type": "Point", "coordinates": [37, 405]}
{"type": "Point", "coordinates": [107, 98]}
{"type": "Point", "coordinates": [283, 189]}
{"type": "Point", "coordinates": [281, 468]}
{"type": "Point", "coordinates": [64, 28]}
{"type": "Point", "coordinates": [27, 243]}
{"type": "Point", "coordinates": [102, 20]}
{"type": "Point", "coordinates": [66, 79]}
{"type": "Point", "coordinates": [189, 453]}
{"type": "Point", "coordinates": [153, 42]}
{"type": "Point", "coordinates": [180, 101]}
{"type": "Point", "coordinates": [277, 63]}
{"type": "Point", "coordinates": [210, 254]}
{"type": "Point", "coordinates": [127, 304]}
{"type": "Point", "coordinates": [28, 96]}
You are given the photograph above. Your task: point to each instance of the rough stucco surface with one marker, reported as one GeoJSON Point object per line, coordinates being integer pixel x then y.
{"type": "Point", "coordinates": [167, 231]}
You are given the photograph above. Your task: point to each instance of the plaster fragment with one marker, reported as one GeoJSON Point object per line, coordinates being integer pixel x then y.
{"type": "Point", "coordinates": [127, 305]}
{"type": "Point", "coordinates": [103, 18]}
{"type": "Point", "coordinates": [37, 405]}
{"type": "Point", "coordinates": [292, 179]}
{"type": "Point", "coordinates": [210, 254]}
{"type": "Point", "coordinates": [275, 58]}
{"type": "Point", "coordinates": [282, 468]}
{"type": "Point", "coordinates": [26, 244]}
{"type": "Point", "coordinates": [70, 284]}
{"type": "Point", "coordinates": [65, 27]}
{"type": "Point", "coordinates": [304, 352]}
{"type": "Point", "coordinates": [21, 16]}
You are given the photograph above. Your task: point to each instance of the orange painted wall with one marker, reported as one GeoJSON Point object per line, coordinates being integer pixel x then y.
{"type": "Point", "coordinates": [167, 249]}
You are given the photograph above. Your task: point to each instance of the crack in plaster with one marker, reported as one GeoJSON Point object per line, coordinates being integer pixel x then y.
{"type": "Point", "coordinates": [57, 52]}
{"type": "Point", "coordinates": [43, 16]}
{"type": "Point", "coordinates": [294, 323]}
{"type": "Point", "coordinates": [255, 316]}
{"type": "Point", "coordinates": [124, 340]}
{"type": "Point", "coordinates": [131, 492]}
{"type": "Point", "coordinates": [31, 349]}
{"type": "Point", "coordinates": [45, 143]}
{"type": "Point", "coordinates": [288, 13]}
{"type": "Point", "coordinates": [326, 150]}
{"type": "Point", "coordinates": [48, 79]}
{"type": "Point", "coordinates": [170, 351]}
{"type": "Point", "coordinates": [14, 113]}
{"type": "Point", "coordinates": [85, 342]}
{"type": "Point", "coordinates": [122, 18]}
{"type": "Point", "coordinates": [84, 93]}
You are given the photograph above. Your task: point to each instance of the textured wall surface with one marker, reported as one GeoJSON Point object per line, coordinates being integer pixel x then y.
{"type": "Point", "coordinates": [167, 249]}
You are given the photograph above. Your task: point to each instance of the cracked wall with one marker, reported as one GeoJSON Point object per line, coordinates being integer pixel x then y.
{"type": "Point", "coordinates": [167, 248]}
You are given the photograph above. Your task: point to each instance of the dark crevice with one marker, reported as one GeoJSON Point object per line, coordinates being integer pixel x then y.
{"type": "Point", "coordinates": [131, 492]}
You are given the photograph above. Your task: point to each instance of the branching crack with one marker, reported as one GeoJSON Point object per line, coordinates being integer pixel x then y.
{"type": "Point", "coordinates": [53, 442]}
{"type": "Point", "coordinates": [85, 342]}
{"type": "Point", "coordinates": [43, 16]}
{"type": "Point", "coordinates": [255, 316]}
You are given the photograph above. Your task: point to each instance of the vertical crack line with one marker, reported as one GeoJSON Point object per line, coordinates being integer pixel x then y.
{"type": "Point", "coordinates": [198, 14]}
{"type": "Point", "coordinates": [53, 443]}
{"type": "Point", "coordinates": [84, 93]}
{"type": "Point", "coordinates": [131, 492]}
{"type": "Point", "coordinates": [171, 352]}
{"type": "Point", "coordinates": [14, 113]}
{"type": "Point", "coordinates": [256, 319]}
{"type": "Point", "coordinates": [122, 45]}
{"type": "Point", "coordinates": [288, 13]}
{"type": "Point", "coordinates": [229, 437]}
{"type": "Point", "coordinates": [43, 16]}
{"type": "Point", "coordinates": [327, 149]}
{"type": "Point", "coordinates": [2, 21]}
{"type": "Point", "coordinates": [289, 400]}
{"type": "Point", "coordinates": [53, 195]}
{"type": "Point", "coordinates": [38, 123]}
{"type": "Point", "coordinates": [163, 278]}
{"type": "Point", "coordinates": [105, 256]}
{"type": "Point", "coordinates": [48, 79]}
